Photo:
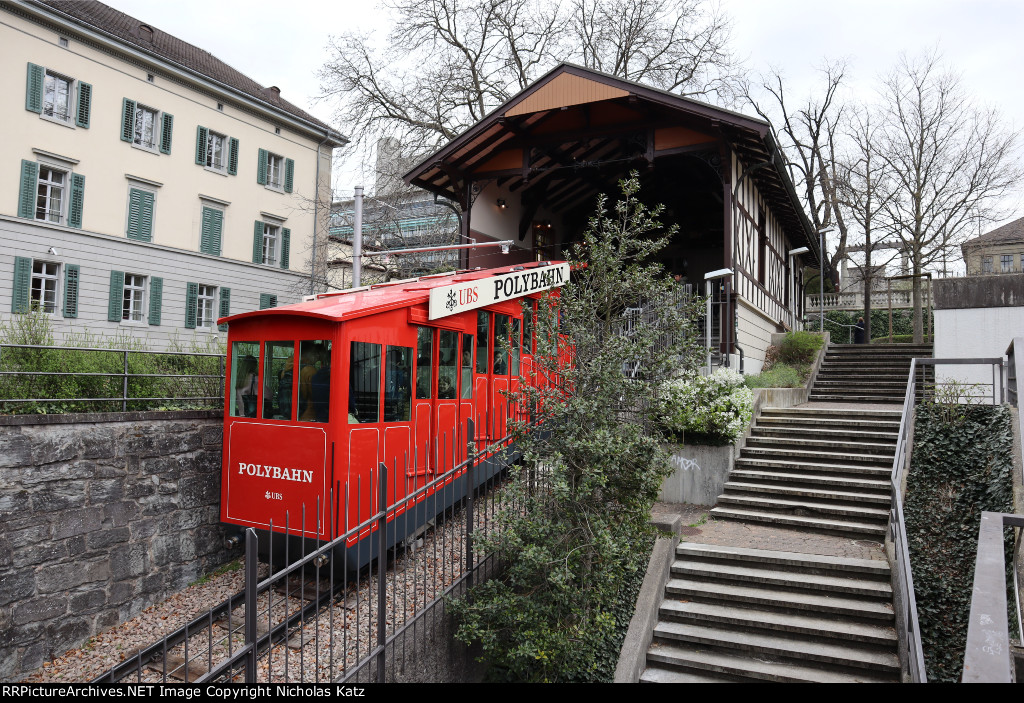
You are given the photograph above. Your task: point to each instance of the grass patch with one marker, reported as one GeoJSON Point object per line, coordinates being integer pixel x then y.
{"type": "Point", "coordinates": [219, 571]}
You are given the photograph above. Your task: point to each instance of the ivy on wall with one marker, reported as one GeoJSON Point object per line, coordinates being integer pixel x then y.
{"type": "Point", "coordinates": [962, 465]}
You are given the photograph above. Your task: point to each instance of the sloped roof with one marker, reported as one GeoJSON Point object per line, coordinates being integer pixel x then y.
{"type": "Point", "coordinates": [1010, 233]}
{"type": "Point", "coordinates": [131, 31]}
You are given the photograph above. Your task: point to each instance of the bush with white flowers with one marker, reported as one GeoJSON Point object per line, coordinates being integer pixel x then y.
{"type": "Point", "coordinates": [713, 409]}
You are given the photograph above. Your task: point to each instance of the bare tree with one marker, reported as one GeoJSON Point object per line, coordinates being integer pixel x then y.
{"type": "Point", "coordinates": [950, 162]}
{"type": "Point", "coordinates": [864, 191]}
{"type": "Point", "coordinates": [447, 63]}
{"type": "Point", "coordinates": [808, 136]}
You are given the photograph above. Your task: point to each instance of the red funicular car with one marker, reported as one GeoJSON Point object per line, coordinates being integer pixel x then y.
{"type": "Point", "coordinates": [321, 393]}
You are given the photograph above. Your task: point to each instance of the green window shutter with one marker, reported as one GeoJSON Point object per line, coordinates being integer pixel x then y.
{"type": "Point", "coordinates": [233, 157]}
{"type": "Point", "coordinates": [286, 240]}
{"type": "Point", "coordinates": [71, 276]}
{"type": "Point", "coordinates": [34, 89]}
{"type": "Point", "coordinates": [115, 302]}
{"type": "Point", "coordinates": [257, 243]}
{"type": "Point", "coordinates": [225, 306]}
{"type": "Point", "coordinates": [84, 105]}
{"type": "Point", "coordinates": [261, 167]}
{"type": "Point", "coordinates": [267, 300]}
{"type": "Point", "coordinates": [209, 240]}
{"type": "Point", "coordinates": [77, 204]}
{"type": "Point", "coordinates": [166, 130]}
{"type": "Point", "coordinates": [201, 138]}
{"type": "Point", "coordinates": [191, 302]}
{"type": "Point", "coordinates": [289, 175]}
{"type": "Point", "coordinates": [22, 281]}
{"type": "Point", "coordinates": [27, 196]}
{"type": "Point", "coordinates": [127, 120]}
{"type": "Point", "coordinates": [140, 215]}
{"type": "Point", "coordinates": [156, 295]}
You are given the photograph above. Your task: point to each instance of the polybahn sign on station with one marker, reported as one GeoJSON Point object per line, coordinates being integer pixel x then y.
{"type": "Point", "coordinates": [469, 295]}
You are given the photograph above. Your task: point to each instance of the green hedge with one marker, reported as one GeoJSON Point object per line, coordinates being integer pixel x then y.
{"type": "Point", "coordinates": [962, 464]}
{"type": "Point", "coordinates": [902, 323]}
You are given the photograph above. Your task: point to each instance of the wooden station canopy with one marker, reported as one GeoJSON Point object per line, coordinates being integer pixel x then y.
{"type": "Point", "coordinates": [574, 131]}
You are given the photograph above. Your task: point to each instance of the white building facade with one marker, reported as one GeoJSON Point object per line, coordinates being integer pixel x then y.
{"type": "Point", "coordinates": [147, 188]}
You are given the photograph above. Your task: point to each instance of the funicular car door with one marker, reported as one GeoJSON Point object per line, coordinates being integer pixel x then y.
{"type": "Point", "coordinates": [423, 406]}
{"type": "Point", "coordinates": [465, 394]}
{"type": "Point", "coordinates": [446, 403]}
{"type": "Point", "coordinates": [481, 378]}
{"type": "Point", "coordinates": [500, 352]}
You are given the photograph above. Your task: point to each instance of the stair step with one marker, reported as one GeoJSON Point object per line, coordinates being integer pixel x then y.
{"type": "Point", "coordinates": [795, 465]}
{"type": "Point", "coordinates": [819, 562]}
{"type": "Point", "coordinates": [757, 618]}
{"type": "Point", "coordinates": [890, 425]}
{"type": "Point", "coordinates": [887, 400]}
{"type": "Point", "coordinates": [850, 496]}
{"type": "Point", "coordinates": [780, 598]}
{"type": "Point", "coordinates": [816, 480]}
{"type": "Point", "coordinates": [820, 509]}
{"type": "Point", "coordinates": [824, 524]}
{"type": "Point", "coordinates": [839, 435]}
{"type": "Point", "coordinates": [765, 574]}
{"type": "Point", "coordinates": [862, 448]}
{"type": "Point", "coordinates": [781, 646]}
{"type": "Point", "coordinates": [659, 674]}
{"type": "Point", "coordinates": [747, 667]}
{"type": "Point", "coordinates": [824, 412]}
{"type": "Point", "coordinates": [820, 456]}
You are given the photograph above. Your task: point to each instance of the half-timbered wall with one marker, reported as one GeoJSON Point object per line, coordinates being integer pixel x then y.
{"type": "Point", "coordinates": [761, 276]}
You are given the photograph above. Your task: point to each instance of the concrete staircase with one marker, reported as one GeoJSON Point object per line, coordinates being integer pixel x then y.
{"type": "Point", "coordinates": [819, 468]}
{"type": "Point", "coordinates": [733, 614]}
{"type": "Point", "coordinates": [866, 373]}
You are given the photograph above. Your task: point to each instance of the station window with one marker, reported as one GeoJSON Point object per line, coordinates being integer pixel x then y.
{"type": "Point", "coordinates": [424, 362]}
{"type": "Point", "coordinates": [314, 380]}
{"type": "Point", "coordinates": [244, 371]}
{"type": "Point", "coordinates": [514, 348]}
{"type": "Point", "coordinates": [501, 327]}
{"type": "Point", "coordinates": [482, 335]}
{"type": "Point", "coordinates": [467, 366]}
{"type": "Point", "coordinates": [448, 366]}
{"type": "Point", "coordinates": [278, 380]}
{"type": "Point", "coordinates": [398, 384]}
{"type": "Point", "coordinates": [364, 383]}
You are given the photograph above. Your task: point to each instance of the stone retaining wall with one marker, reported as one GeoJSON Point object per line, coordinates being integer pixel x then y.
{"type": "Point", "coordinates": [101, 515]}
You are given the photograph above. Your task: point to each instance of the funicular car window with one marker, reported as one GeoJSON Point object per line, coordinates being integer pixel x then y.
{"type": "Point", "coordinates": [500, 344]}
{"type": "Point", "coordinates": [482, 335]}
{"type": "Point", "coordinates": [448, 365]}
{"type": "Point", "coordinates": [514, 347]}
{"type": "Point", "coordinates": [528, 327]}
{"type": "Point", "coordinates": [364, 383]}
{"type": "Point", "coordinates": [314, 380]}
{"type": "Point", "coordinates": [278, 373]}
{"type": "Point", "coordinates": [244, 378]}
{"type": "Point", "coordinates": [467, 366]}
{"type": "Point", "coordinates": [397, 384]}
{"type": "Point", "coordinates": [424, 361]}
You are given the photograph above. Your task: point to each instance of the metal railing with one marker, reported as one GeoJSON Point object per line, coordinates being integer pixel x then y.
{"type": "Point", "coordinates": [363, 605]}
{"type": "Point", "coordinates": [118, 379]}
{"type": "Point", "coordinates": [987, 657]}
{"type": "Point", "coordinates": [909, 630]}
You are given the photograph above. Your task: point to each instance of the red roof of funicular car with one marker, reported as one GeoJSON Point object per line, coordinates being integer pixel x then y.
{"type": "Point", "coordinates": [380, 297]}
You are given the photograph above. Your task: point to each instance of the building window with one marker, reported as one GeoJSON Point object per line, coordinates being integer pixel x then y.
{"type": "Point", "coordinates": [50, 194]}
{"type": "Point", "coordinates": [145, 127]}
{"type": "Point", "coordinates": [275, 170]}
{"type": "Point", "coordinates": [986, 264]}
{"type": "Point", "coordinates": [57, 96]}
{"type": "Point", "coordinates": [63, 42]}
{"type": "Point", "coordinates": [204, 307]}
{"type": "Point", "coordinates": [43, 292]}
{"type": "Point", "coordinates": [271, 235]}
{"type": "Point", "coordinates": [1006, 263]}
{"type": "Point", "coordinates": [216, 153]}
{"type": "Point", "coordinates": [134, 297]}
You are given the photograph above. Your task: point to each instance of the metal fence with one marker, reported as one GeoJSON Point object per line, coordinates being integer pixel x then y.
{"type": "Point", "coordinates": [920, 386]}
{"type": "Point", "coordinates": [318, 615]}
{"type": "Point", "coordinates": [36, 378]}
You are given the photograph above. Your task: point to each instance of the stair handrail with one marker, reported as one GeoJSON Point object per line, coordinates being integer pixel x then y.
{"type": "Point", "coordinates": [910, 637]}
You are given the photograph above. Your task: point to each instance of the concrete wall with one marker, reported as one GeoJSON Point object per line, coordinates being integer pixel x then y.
{"type": "Point", "coordinates": [698, 474]}
{"type": "Point", "coordinates": [101, 515]}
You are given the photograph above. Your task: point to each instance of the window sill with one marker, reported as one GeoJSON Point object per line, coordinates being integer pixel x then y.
{"type": "Point", "coordinates": [69, 123]}
{"type": "Point", "coordinates": [134, 323]}
{"type": "Point", "coordinates": [219, 172]}
{"type": "Point", "coordinates": [275, 188]}
{"type": "Point", "coordinates": [148, 149]}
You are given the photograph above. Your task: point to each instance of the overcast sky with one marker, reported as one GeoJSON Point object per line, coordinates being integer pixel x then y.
{"type": "Point", "coordinates": [283, 43]}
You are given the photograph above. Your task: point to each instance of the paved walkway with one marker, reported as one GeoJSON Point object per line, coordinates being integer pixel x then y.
{"type": "Point", "coordinates": [696, 526]}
